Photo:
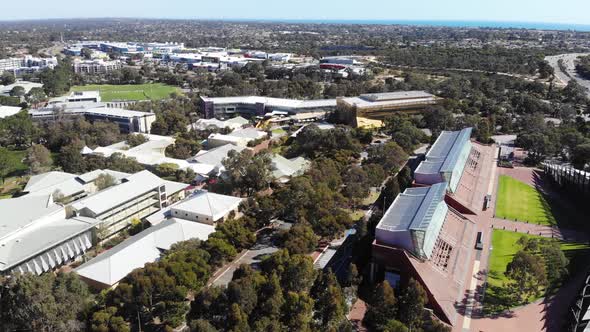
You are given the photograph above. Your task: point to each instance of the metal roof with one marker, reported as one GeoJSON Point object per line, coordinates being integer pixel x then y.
{"type": "Point", "coordinates": [136, 185]}
{"type": "Point", "coordinates": [216, 155]}
{"type": "Point", "coordinates": [145, 247]}
{"type": "Point", "coordinates": [208, 204]}
{"type": "Point", "coordinates": [21, 212]}
{"type": "Point", "coordinates": [413, 209]}
{"type": "Point", "coordinates": [396, 95]}
{"type": "Point", "coordinates": [28, 243]}
{"type": "Point", "coordinates": [444, 153]}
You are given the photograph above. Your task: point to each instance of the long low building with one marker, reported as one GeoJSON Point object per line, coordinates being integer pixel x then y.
{"type": "Point", "coordinates": [128, 121]}
{"type": "Point", "coordinates": [446, 159]}
{"type": "Point", "coordinates": [376, 105]}
{"type": "Point", "coordinates": [37, 236]}
{"type": "Point", "coordinates": [109, 268]}
{"type": "Point", "coordinates": [421, 237]}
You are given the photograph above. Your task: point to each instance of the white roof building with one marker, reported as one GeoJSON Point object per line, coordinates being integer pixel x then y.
{"type": "Point", "coordinates": [283, 169]}
{"type": "Point", "coordinates": [206, 207]}
{"type": "Point", "coordinates": [107, 269]}
{"type": "Point", "coordinates": [36, 236]}
{"type": "Point", "coordinates": [6, 111]}
{"type": "Point", "coordinates": [5, 89]}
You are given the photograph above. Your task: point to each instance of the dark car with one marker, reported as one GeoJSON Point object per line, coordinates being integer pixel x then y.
{"type": "Point", "coordinates": [479, 241]}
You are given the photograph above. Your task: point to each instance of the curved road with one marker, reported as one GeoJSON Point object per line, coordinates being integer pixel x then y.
{"type": "Point", "coordinates": [570, 72]}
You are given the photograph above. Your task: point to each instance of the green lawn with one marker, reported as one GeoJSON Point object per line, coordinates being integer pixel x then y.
{"type": "Point", "coordinates": [108, 93]}
{"type": "Point", "coordinates": [504, 247]}
{"type": "Point", "coordinates": [519, 201]}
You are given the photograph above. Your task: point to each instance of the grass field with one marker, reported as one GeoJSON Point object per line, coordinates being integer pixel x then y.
{"type": "Point", "coordinates": [108, 93]}
{"type": "Point", "coordinates": [504, 247]}
{"type": "Point", "coordinates": [519, 201]}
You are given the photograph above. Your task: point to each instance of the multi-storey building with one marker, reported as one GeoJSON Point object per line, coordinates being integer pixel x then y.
{"type": "Point", "coordinates": [92, 67]}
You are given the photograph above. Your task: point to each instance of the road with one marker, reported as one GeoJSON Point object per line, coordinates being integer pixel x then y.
{"type": "Point", "coordinates": [569, 62]}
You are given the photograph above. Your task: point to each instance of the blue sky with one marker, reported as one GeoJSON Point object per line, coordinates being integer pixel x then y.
{"type": "Point", "coordinates": [563, 11]}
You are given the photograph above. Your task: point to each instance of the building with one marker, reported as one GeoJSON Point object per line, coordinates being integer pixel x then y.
{"type": "Point", "coordinates": [414, 220]}
{"type": "Point", "coordinates": [382, 105]}
{"type": "Point", "coordinates": [128, 121]}
{"type": "Point", "coordinates": [135, 197]}
{"type": "Point", "coordinates": [239, 137]}
{"type": "Point", "coordinates": [83, 104]}
{"type": "Point", "coordinates": [77, 97]}
{"type": "Point", "coordinates": [26, 65]}
{"type": "Point", "coordinates": [232, 124]}
{"type": "Point", "coordinates": [109, 268]}
{"type": "Point", "coordinates": [206, 208]}
{"type": "Point", "coordinates": [258, 106]}
{"type": "Point", "coordinates": [6, 111]}
{"type": "Point", "coordinates": [215, 156]}
{"type": "Point", "coordinates": [283, 169]}
{"type": "Point", "coordinates": [423, 238]}
{"type": "Point", "coordinates": [5, 89]}
{"type": "Point", "coordinates": [94, 67]}
{"type": "Point", "coordinates": [37, 235]}
{"type": "Point", "coordinates": [446, 159]}
{"type": "Point", "coordinates": [373, 106]}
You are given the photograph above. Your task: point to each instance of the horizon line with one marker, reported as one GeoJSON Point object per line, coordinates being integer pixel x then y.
{"type": "Point", "coordinates": [503, 24]}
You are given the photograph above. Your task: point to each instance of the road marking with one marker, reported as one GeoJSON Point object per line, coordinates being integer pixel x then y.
{"type": "Point", "coordinates": [471, 297]}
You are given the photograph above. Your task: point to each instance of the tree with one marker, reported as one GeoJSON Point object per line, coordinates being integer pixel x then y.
{"type": "Point", "coordinates": [375, 174]}
{"type": "Point", "coordinates": [382, 308]}
{"type": "Point", "coordinates": [183, 148]}
{"type": "Point", "coordinates": [38, 159]}
{"type": "Point", "coordinates": [104, 181]}
{"type": "Point", "coordinates": [36, 95]}
{"type": "Point", "coordinates": [237, 320]}
{"type": "Point", "coordinates": [234, 232]}
{"type": "Point", "coordinates": [581, 156]}
{"type": "Point", "coordinates": [300, 239]}
{"type": "Point", "coordinates": [86, 53]}
{"type": "Point", "coordinates": [106, 320]}
{"type": "Point", "coordinates": [330, 306]}
{"type": "Point", "coordinates": [7, 78]}
{"type": "Point", "coordinates": [390, 192]}
{"type": "Point", "coordinates": [220, 250]}
{"type": "Point", "coordinates": [411, 304]}
{"type": "Point", "coordinates": [201, 325]}
{"type": "Point", "coordinates": [527, 274]}
{"type": "Point", "coordinates": [134, 140]}
{"type": "Point", "coordinates": [17, 91]}
{"type": "Point", "coordinates": [395, 326]}
{"type": "Point", "coordinates": [246, 172]}
{"type": "Point", "coordinates": [356, 184]}
{"type": "Point", "coordinates": [70, 158]}
{"type": "Point", "coordinates": [298, 312]}
{"type": "Point", "coordinates": [166, 170]}
{"type": "Point", "coordinates": [7, 164]}
{"type": "Point", "coordinates": [389, 155]}
{"type": "Point", "coordinates": [46, 302]}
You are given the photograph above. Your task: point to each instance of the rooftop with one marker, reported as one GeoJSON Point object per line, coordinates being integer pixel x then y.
{"type": "Point", "coordinates": [18, 213]}
{"type": "Point", "coordinates": [145, 247]}
{"type": "Point", "coordinates": [445, 151]}
{"type": "Point", "coordinates": [6, 111]}
{"type": "Point", "coordinates": [135, 185]}
{"type": "Point", "coordinates": [215, 156]}
{"type": "Point", "coordinates": [413, 209]}
{"type": "Point", "coordinates": [396, 95]}
{"type": "Point", "coordinates": [209, 204]}
{"type": "Point", "coordinates": [32, 241]}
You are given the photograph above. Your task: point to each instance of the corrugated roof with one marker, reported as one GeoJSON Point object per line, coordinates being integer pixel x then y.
{"type": "Point", "coordinates": [136, 185]}
{"type": "Point", "coordinates": [208, 204]}
{"type": "Point", "coordinates": [33, 241]}
{"type": "Point", "coordinates": [445, 151]}
{"type": "Point", "coordinates": [216, 155]}
{"type": "Point", "coordinates": [17, 213]}
{"type": "Point", "coordinates": [413, 209]}
{"type": "Point", "coordinates": [145, 247]}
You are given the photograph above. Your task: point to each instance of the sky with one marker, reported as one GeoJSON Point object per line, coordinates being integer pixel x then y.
{"type": "Point", "coordinates": [551, 11]}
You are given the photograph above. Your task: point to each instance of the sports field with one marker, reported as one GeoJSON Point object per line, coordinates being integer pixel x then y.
{"type": "Point", "coordinates": [504, 247]}
{"type": "Point", "coordinates": [521, 202]}
{"type": "Point", "coordinates": [108, 93]}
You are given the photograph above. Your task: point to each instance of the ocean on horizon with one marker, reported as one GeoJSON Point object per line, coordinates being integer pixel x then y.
{"type": "Point", "coordinates": [436, 23]}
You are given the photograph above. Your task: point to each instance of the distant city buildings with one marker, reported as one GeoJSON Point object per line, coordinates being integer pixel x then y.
{"type": "Point", "coordinates": [26, 65]}
{"type": "Point", "coordinates": [94, 67]}
{"type": "Point", "coordinates": [373, 106]}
